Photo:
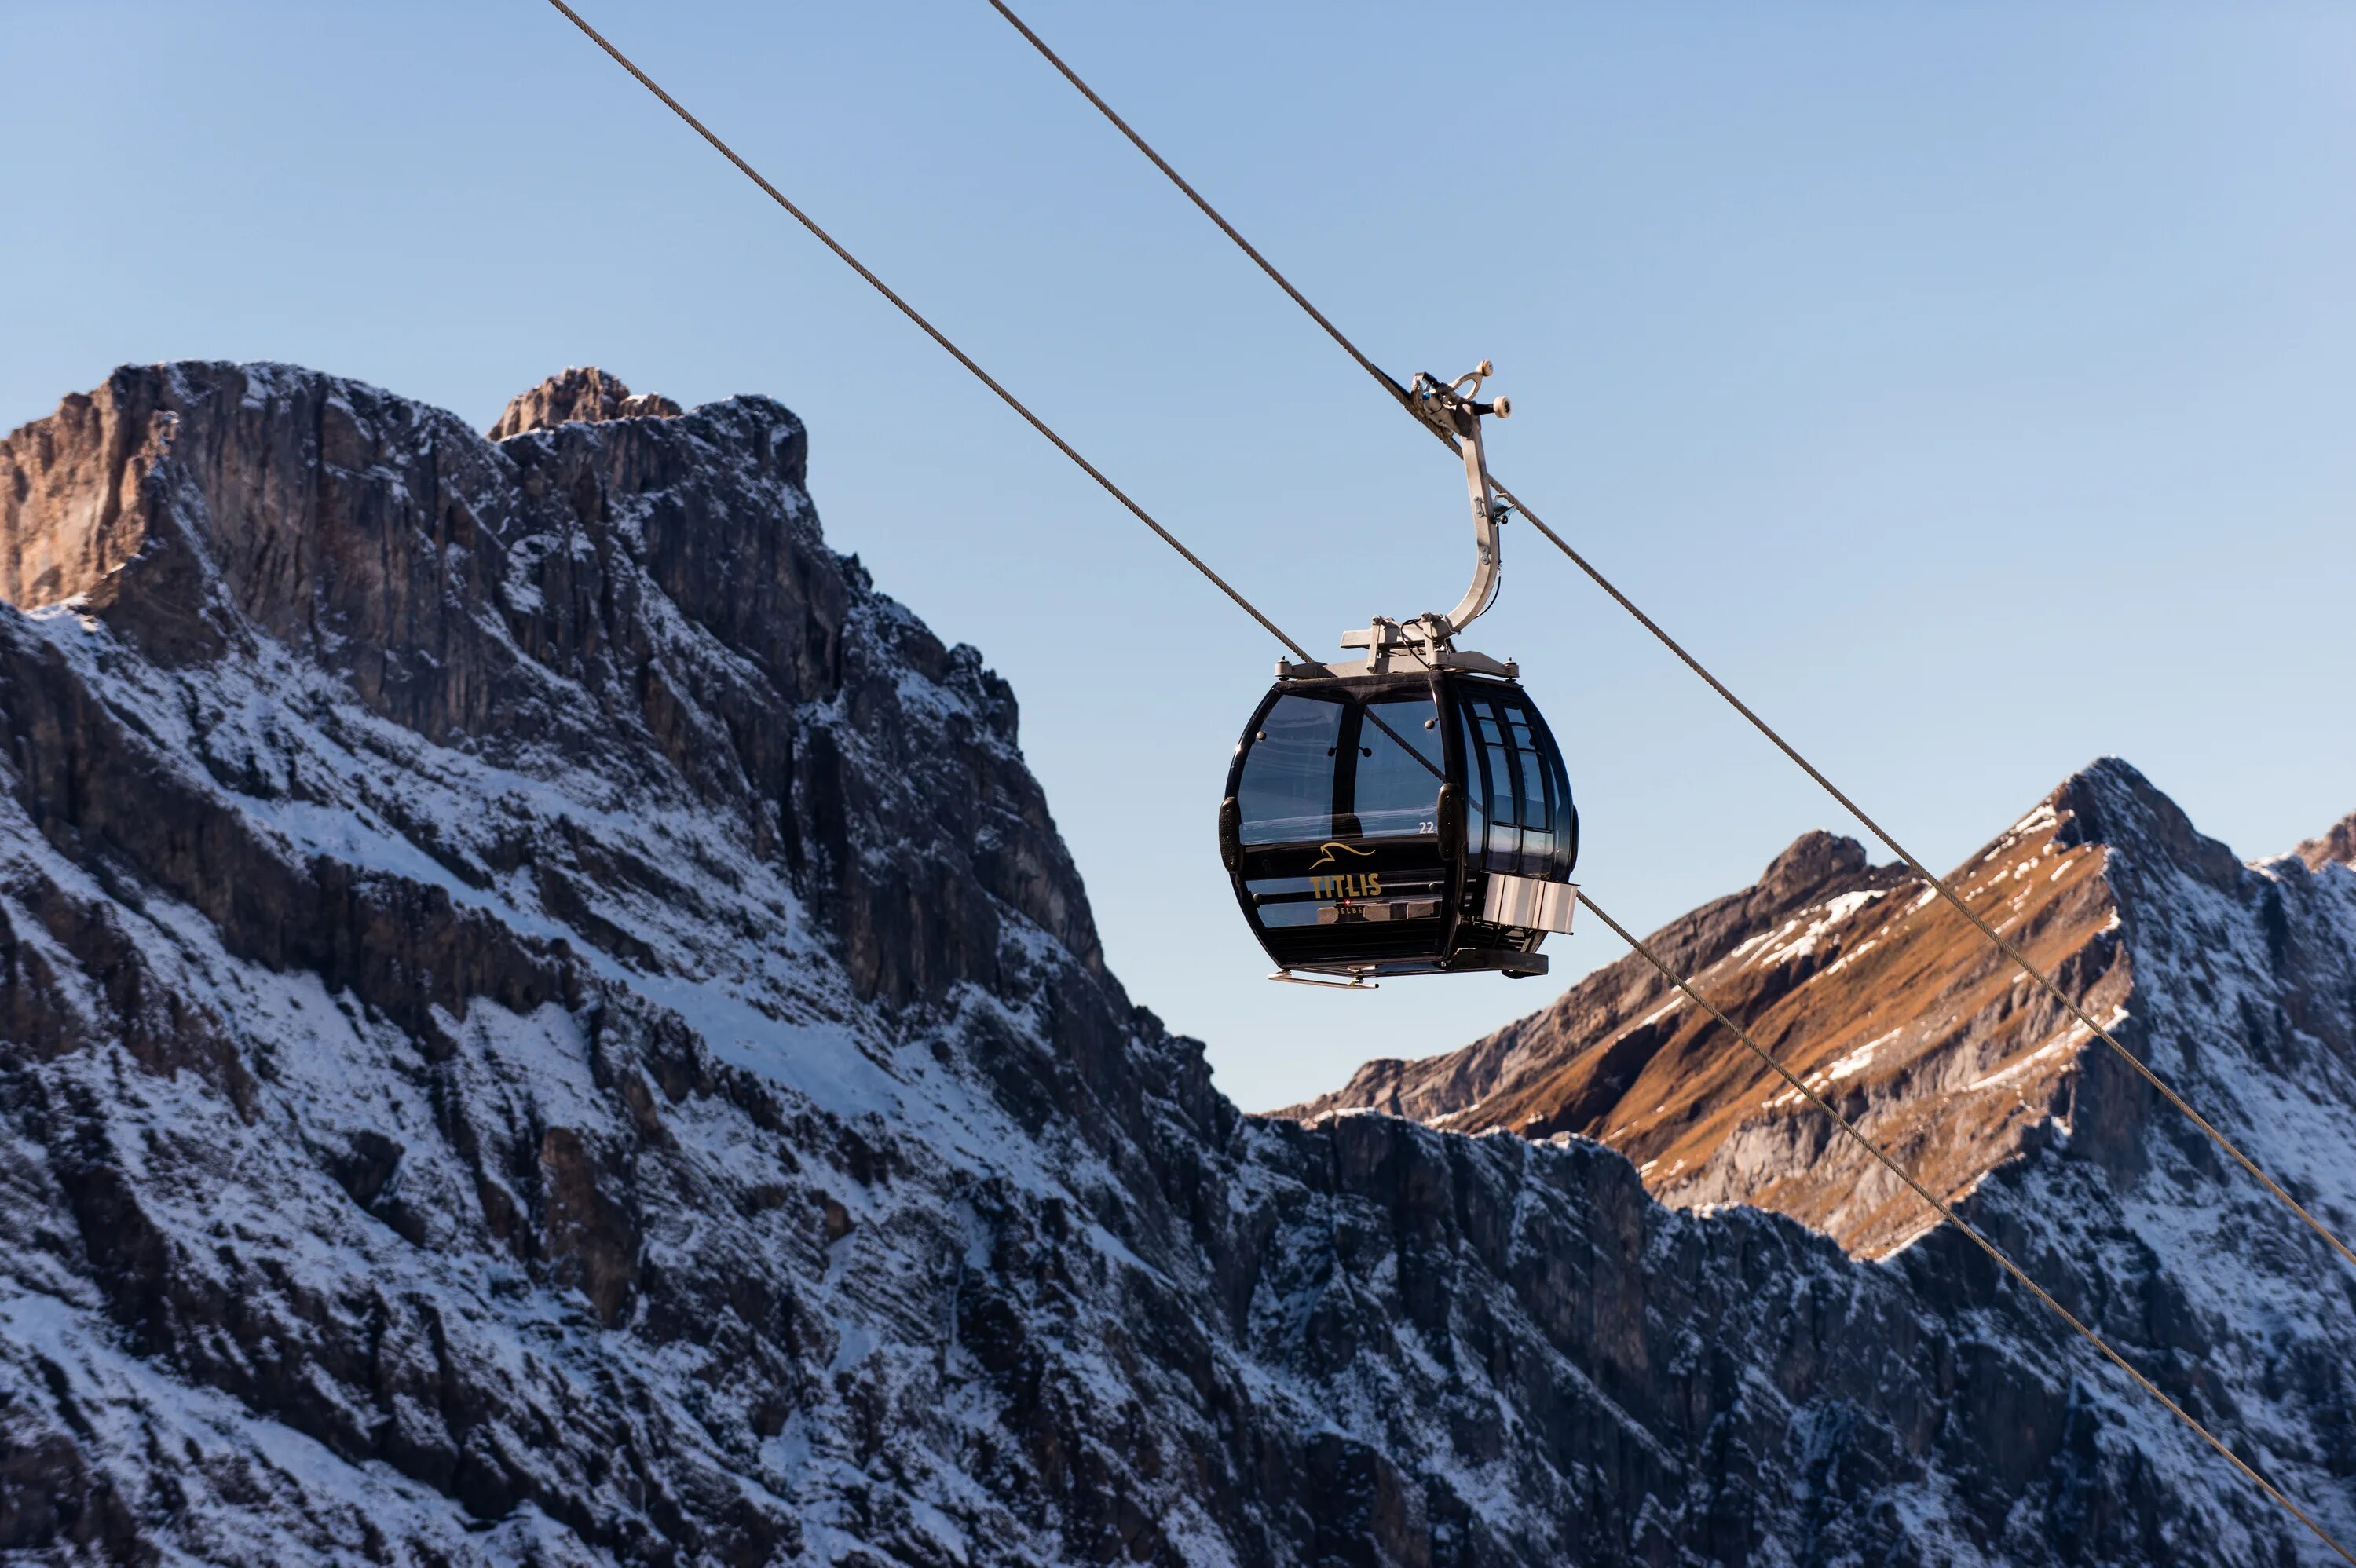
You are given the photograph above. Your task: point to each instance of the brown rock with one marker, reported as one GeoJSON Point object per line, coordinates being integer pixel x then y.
{"type": "Point", "coordinates": [349, 842]}
{"type": "Point", "coordinates": [69, 516]}
{"type": "Point", "coordinates": [1877, 993]}
{"type": "Point", "coordinates": [2337, 844]}
{"type": "Point", "coordinates": [591, 1236]}
{"type": "Point", "coordinates": [579, 395]}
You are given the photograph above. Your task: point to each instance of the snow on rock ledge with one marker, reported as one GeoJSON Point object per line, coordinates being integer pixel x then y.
{"type": "Point", "coordinates": [547, 1022]}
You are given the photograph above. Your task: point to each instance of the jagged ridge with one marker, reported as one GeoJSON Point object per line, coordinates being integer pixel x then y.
{"type": "Point", "coordinates": [548, 1022]}
{"type": "Point", "coordinates": [1871, 987]}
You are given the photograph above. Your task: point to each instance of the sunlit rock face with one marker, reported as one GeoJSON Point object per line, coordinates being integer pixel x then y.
{"type": "Point", "coordinates": [578, 395]}
{"type": "Point", "coordinates": [2236, 982]}
{"type": "Point", "coordinates": [1885, 1000]}
{"type": "Point", "coordinates": [544, 1020]}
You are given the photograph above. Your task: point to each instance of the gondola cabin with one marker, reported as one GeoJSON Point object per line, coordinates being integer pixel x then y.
{"type": "Point", "coordinates": [1400, 825]}
{"type": "Point", "coordinates": [1407, 813]}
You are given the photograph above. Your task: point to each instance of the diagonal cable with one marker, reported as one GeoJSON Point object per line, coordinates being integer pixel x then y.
{"type": "Point", "coordinates": [1946, 1213]}
{"type": "Point", "coordinates": [929, 330]}
{"type": "Point", "coordinates": [1938, 882]}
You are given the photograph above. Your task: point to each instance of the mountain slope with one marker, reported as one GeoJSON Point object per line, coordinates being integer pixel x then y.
{"type": "Point", "coordinates": [546, 1023]}
{"type": "Point", "coordinates": [1885, 1001]}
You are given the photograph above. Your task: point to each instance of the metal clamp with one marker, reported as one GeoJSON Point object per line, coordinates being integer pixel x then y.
{"type": "Point", "coordinates": [1357, 982]}
{"type": "Point", "coordinates": [1454, 409]}
{"type": "Point", "coordinates": [1435, 400]}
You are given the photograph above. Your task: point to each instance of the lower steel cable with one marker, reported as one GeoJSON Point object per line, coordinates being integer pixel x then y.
{"type": "Point", "coordinates": [1946, 1213]}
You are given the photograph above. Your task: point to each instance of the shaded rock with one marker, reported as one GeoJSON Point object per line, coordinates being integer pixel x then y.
{"type": "Point", "coordinates": [547, 1021]}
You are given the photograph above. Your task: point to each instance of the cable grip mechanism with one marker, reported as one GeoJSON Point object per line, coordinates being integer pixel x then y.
{"type": "Point", "coordinates": [1454, 409]}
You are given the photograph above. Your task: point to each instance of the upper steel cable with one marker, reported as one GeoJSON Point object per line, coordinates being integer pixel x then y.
{"type": "Point", "coordinates": [1946, 1213]}
{"type": "Point", "coordinates": [1226, 227]}
{"type": "Point", "coordinates": [929, 330]}
{"type": "Point", "coordinates": [1399, 395]}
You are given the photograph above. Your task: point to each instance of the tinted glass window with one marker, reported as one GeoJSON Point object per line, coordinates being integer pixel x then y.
{"type": "Point", "coordinates": [1494, 781]}
{"type": "Point", "coordinates": [1521, 820]}
{"type": "Point", "coordinates": [1536, 791]}
{"type": "Point", "coordinates": [1476, 781]}
{"type": "Point", "coordinates": [1400, 767]}
{"type": "Point", "coordinates": [1286, 795]}
{"type": "Point", "coordinates": [1564, 840]}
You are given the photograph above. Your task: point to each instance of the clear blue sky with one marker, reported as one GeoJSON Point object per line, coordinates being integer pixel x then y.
{"type": "Point", "coordinates": [1974, 384]}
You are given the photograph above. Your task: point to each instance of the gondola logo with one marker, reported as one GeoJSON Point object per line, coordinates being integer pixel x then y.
{"type": "Point", "coordinates": [1368, 885]}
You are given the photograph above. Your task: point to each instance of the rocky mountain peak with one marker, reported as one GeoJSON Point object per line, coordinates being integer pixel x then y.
{"type": "Point", "coordinates": [645, 600]}
{"type": "Point", "coordinates": [1813, 862]}
{"type": "Point", "coordinates": [582, 394]}
{"type": "Point", "coordinates": [1880, 993]}
{"type": "Point", "coordinates": [547, 1021]}
{"type": "Point", "coordinates": [2337, 845]}
{"type": "Point", "coordinates": [2110, 802]}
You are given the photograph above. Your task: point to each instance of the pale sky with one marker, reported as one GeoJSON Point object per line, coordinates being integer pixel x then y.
{"type": "Point", "coordinates": [1970, 384]}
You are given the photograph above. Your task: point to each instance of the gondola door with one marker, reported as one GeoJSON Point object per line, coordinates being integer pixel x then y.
{"type": "Point", "coordinates": [1335, 827]}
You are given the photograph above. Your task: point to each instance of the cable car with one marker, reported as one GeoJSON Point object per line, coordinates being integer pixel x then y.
{"type": "Point", "coordinates": [1409, 812]}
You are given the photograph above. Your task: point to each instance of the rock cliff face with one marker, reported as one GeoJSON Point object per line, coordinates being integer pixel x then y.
{"type": "Point", "coordinates": [546, 1023]}
{"type": "Point", "coordinates": [2237, 982]}
{"type": "Point", "coordinates": [1887, 1001]}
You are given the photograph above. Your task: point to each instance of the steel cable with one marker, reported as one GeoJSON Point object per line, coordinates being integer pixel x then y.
{"type": "Point", "coordinates": [1952, 1218]}
{"type": "Point", "coordinates": [929, 330]}
{"type": "Point", "coordinates": [1938, 882]}
{"type": "Point", "coordinates": [1943, 1211]}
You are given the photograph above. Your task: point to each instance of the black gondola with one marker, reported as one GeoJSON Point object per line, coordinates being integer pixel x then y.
{"type": "Point", "coordinates": [1400, 825]}
{"type": "Point", "coordinates": [1410, 813]}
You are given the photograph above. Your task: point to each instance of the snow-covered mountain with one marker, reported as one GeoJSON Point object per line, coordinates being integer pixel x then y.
{"type": "Point", "coordinates": [546, 1023]}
